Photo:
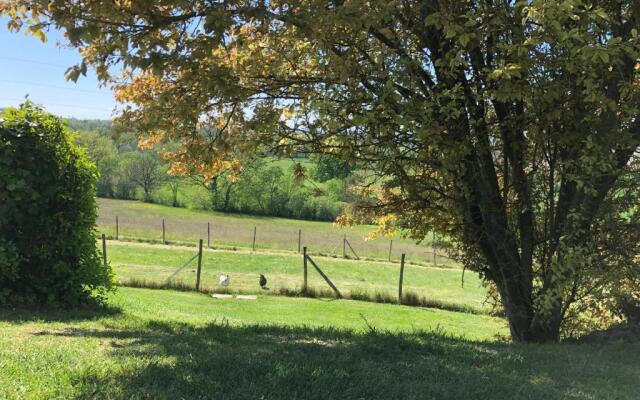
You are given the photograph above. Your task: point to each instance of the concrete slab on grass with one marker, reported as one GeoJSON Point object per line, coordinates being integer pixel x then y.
{"type": "Point", "coordinates": [221, 296]}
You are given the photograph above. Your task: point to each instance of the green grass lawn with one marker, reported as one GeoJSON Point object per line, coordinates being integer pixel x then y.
{"type": "Point", "coordinates": [155, 263]}
{"type": "Point", "coordinates": [163, 344]}
{"type": "Point", "coordinates": [144, 221]}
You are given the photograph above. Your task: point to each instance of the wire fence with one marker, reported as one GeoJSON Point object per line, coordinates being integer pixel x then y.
{"type": "Point", "coordinates": [305, 274]}
{"type": "Point", "coordinates": [259, 235]}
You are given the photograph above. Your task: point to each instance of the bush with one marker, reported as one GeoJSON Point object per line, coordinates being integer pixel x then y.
{"type": "Point", "coordinates": [48, 248]}
{"type": "Point", "coordinates": [626, 300]}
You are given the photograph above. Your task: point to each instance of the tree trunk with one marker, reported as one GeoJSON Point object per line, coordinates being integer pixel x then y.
{"type": "Point", "coordinates": [147, 195]}
{"type": "Point", "coordinates": [548, 332]}
{"type": "Point", "coordinates": [524, 329]}
{"type": "Point", "coordinates": [227, 197]}
{"type": "Point", "coordinates": [174, 192]}
{"type": "Point", "coordinates": [213, 192]}
{"type": "Point", "coordinates": [525, 324]}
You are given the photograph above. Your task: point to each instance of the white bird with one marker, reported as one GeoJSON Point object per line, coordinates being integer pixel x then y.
{"type": "Point", "coordinates": [224, 280]}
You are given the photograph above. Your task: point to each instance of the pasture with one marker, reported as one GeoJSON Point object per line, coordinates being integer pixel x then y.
{"type": "Point", "coordinates": [164, 344]}
{"type": "Point", "coordinates": [143, 221]}
{"type": "Point", "coordinates": [139, 263]}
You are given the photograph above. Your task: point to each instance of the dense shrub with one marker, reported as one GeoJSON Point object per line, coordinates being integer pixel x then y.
{"type": "Point", "coordinates": [47, 214]}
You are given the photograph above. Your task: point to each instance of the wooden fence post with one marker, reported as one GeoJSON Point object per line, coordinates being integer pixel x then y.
{"type": "Point", "coordinates": [199, 265]}
{"type": "Point", "coordinates": [325, 277]}
{"type": "Point", "coordinates": [164, 241]}
{"type": "Point", "coordinates": [253, 246]}
{"type": "Point", "coordinates": [433, 248]}
{"type": "Point", "coordinates": [401, 276]}
{"type": "Point", "coordinates": [104, 249]}
{"type": "Point", "coordinates": [304, 263]}
{"type": "Point", "coordinates": [208, 235]}
{"type": "Point", "coordinates": [117, 228]}
{"type": "Point", "coordinates": [390, 247]}
{"type": "Point", "coordinates": [299, 239]}
{"type": "Point", "coordinates": [352, 250]}
{"type": "Point", "coordinates": [344, 246]}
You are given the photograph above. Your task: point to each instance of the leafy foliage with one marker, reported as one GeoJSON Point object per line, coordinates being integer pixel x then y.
{"type": "Point", "coordinates": [266, 189]}
{"type": "Point", "coordinates": [510, 128]}
{"type": "Point", "coordinates": [260, 187]}
{"type": "Point", "coordinates": [47, 214]}
{"type": "Point", "coordinates": [330, 167]}
{"type": "Point", "coordinates": [101, 127]}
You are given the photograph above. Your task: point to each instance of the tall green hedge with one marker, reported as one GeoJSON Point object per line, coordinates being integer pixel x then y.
{"type": "Point", "coordinates": [48, 252]}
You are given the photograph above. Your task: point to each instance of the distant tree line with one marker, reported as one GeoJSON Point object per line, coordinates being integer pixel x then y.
{"type": "Point", "coordinates": [265, 186]}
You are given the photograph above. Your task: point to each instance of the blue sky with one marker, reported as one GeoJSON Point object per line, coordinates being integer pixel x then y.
{"type": "Point", "coordinates": [28, 66]}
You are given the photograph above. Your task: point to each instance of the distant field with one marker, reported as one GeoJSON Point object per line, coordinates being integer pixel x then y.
{"type": "Point", "coordinates": [144, 221]}
{"type": "Point", "coordinates": [162, 344]}
{"type": "Point", "coordinates": [155, 263]}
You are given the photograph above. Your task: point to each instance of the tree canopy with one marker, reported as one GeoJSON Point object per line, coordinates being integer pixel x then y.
{"type": "Point", "coordinates": [329, 166]}
{"type": "Point", "coordinates": [510, 126]}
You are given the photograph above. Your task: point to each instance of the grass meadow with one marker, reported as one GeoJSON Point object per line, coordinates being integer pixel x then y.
{"type": "Point", "coordinates": [168, 344]}
{"type": "Point", "coordinates": [139, 220]}
{"type": "Point", "coordinates": [162, 344]}
{"type": "Point", "coordinates": [141, 263]}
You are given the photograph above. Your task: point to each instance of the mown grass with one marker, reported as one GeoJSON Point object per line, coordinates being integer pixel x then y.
{"type": "Point", "coordinates": [150, 266]}
{"type": "Point", "coordinates": [170, 345]}
{"type": "Point", "coordinates": [144, 221]}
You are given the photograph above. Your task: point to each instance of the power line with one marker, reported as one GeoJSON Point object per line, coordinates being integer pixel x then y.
{"type": "Point", "coordinates": [44, 63]}
{"type": "Point", "coordinates": [49, 86]}
{"type": "Point", "coordinates": [54, 104]}
{"type": "Point", "coordinates": [34, 62]}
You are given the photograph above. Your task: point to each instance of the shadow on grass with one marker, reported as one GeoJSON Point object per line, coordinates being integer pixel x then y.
{"type": "Point", "coordinates": [217, 361]}
{"type": "Point", "coordinates": [50, 314]}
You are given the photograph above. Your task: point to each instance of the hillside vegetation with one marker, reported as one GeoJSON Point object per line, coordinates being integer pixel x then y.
{"type": "Point", "coordinates": [264, 186]}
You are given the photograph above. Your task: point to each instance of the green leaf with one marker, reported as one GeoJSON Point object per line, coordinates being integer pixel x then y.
{"type": "Point", "coordinates": [604, 56]}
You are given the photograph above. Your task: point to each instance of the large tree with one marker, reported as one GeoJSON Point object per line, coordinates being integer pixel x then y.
{"type": "Point", "coordinates": [144, 171]}
{"type": "Point", "coordinates": [510, 126]}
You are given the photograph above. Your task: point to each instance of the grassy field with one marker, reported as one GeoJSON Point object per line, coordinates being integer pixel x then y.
{"type": "Point", "coordinates": [155, 263]}
{"type": "Point", "coordinates": [163, 344]}
{"type": "Point", "coordinates": [144, 221]}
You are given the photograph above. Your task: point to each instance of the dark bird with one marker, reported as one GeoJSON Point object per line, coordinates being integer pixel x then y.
{"type": "Point", "coordinates": [263, 281]}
